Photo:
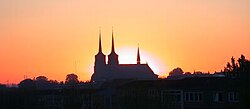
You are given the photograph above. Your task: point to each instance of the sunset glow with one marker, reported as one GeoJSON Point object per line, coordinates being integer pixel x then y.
{"type": "Point", "coordinates": [127, 55]}
{"type": "Point", "coordinates": [48, 37]}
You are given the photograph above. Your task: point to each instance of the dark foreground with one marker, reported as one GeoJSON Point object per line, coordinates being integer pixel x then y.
{"type": "Point", "coordinates": [188, 93]}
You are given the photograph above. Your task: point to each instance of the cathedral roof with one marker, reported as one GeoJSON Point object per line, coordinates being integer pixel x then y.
{"type": "Point", "coordinates": [134, 71]}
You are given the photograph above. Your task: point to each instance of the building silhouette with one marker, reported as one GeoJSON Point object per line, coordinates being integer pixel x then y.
{"type": "Point", "coordinates": [113, 70]}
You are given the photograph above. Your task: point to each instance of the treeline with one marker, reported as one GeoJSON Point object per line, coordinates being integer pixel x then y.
{"type": "Point", "coordinates": [42, 82]}
{"type": "Point", "coordinates": [239, 68]}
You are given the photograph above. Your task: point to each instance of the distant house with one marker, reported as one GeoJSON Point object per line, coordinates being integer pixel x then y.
{"type": "Point", "coordinates": [195, 74]}
{"type": "Point", "coordinates": [188, 93]}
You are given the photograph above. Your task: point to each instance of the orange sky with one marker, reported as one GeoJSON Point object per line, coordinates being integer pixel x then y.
{"type": "Point", "coordinates": [47, 37]}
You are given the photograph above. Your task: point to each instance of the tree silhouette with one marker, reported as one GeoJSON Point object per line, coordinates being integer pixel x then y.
{"type": "Point", "coordinates": [176, 72]}
{"type": "Point", "coordinates": [71, 79]}
{"type": "Point", "coordinates": [244, 64]}
{"type": "Point", "coordinates": [234, 69]}
{"type": "Point", "coordinates": [27, 84]}
{"type": "Point", "coordinates": [42, 82]}
{"type": "Point", "coordinates": [41, 78]}
{"type": "Point", "coordinates": [234, 65]}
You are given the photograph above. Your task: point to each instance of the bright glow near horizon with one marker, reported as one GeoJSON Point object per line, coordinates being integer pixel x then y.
{"type": "Point", "coordinates": [47, 37]}
{"type": "Point", "coordinates": [128, 55]}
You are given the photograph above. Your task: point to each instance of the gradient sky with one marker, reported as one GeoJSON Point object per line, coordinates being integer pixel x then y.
{"type": "Point", "coordinates": [54, 37]}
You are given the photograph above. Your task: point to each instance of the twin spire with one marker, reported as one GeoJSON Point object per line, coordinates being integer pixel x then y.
{"type": "Point", "coordinates": [113, 47]}
{"type": "Point", "coordinates": [100, 42]}
{"type": "Point", "coordinates": [113, 44]}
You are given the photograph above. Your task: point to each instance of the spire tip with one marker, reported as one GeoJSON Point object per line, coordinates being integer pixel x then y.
{"type": "Point", "coordinates": [138, 55]}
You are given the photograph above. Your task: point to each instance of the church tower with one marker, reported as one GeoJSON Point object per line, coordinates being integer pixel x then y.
{"type": "Point", "coordinates": [110, 70]}
{"type": "Point", "coordinates": [138, 56]}
{"type": "Point", "coordinates": [113, 57]}
{"type": "Point", "coordinates": [100, 58]}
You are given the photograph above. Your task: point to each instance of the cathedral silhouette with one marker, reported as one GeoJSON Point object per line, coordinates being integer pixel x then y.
{"type": "Point", "coordinates": [113, 70]}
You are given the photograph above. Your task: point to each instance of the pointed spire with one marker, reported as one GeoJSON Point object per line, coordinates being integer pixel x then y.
{"type": "Point", "coordinates": [138, 56]}
{"type": "Point", "coordinates": [113, 45]}
{"type": "Point", "coordinates": [113, 57]}
{"type": "Point", "coordinates": [100, 41]}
